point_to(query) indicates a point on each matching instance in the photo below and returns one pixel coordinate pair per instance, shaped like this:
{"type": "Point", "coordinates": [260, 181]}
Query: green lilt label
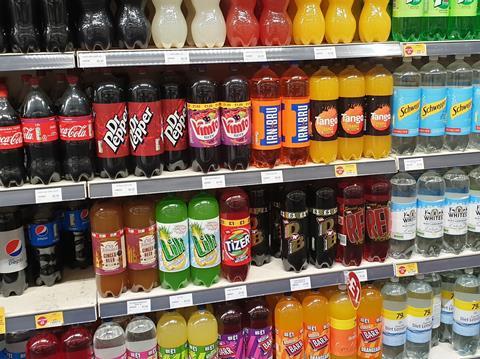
{"type": "Point", "coordinates": [463, 7]}
{"type": "Point", "coordinates": [180, 352]}
{"type": "Point", "coordinates": [436, 8]}
{"type": "Point", "coordinates": [408, 8]}
{"type": "Point", "coordinates": [203, 352]}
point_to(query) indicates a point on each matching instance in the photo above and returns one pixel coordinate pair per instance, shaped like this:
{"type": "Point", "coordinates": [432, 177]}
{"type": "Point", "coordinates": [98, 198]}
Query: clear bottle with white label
{"type": "Point", "coordinates": [435, 282]}
{"type": "Point", "coordinates": [473, 234]}
{"type": "Point", "coordinates": [141, 338]}
{"type": "Point", "coordinates": [446, 319]}
{"type": "Point", "coordinates": [403, 214]}
{"type": "Point", "coordinates": [169, 27]}
{"type": "Point", "coordinates": [208, 26]}
{"type": "Point", "coordinates": [109, 341]}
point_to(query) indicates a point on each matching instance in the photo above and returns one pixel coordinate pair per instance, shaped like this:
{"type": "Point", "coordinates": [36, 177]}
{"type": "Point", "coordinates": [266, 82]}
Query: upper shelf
{"type": "Point", "coordinates": [37, 61]}
{"type": "Point", "coordinates": [441, 48]}
{"type": "Point", "coordinates": [424, 161]}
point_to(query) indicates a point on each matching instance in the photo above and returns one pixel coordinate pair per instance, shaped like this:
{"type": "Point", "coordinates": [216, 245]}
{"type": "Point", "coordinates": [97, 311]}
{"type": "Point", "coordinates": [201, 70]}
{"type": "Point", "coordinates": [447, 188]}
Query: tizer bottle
{"type": "Point", "coordinates": [259, 226]}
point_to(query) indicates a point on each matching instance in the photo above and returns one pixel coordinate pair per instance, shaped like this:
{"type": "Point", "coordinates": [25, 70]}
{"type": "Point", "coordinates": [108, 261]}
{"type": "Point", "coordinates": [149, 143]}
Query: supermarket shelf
{"type": "Point", "coordinates": [418, 162]}
{"type": "Point", "coordinates": [445, 48]}
{"type": "Point", "coordinates": [444, 350]}
{"type": "Point", "coordinates": [189, 180]}
{"type": "Point", "coordinates": [37, 61]}
{"type": "Point", "coordinates": [74, 297]}
{"type": "Point", "coordinates": [37, 194]}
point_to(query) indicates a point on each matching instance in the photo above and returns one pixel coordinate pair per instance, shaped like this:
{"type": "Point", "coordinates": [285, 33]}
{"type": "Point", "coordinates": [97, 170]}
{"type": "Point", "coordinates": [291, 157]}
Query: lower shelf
{"type": "Point", "coordinates": [445, 351]}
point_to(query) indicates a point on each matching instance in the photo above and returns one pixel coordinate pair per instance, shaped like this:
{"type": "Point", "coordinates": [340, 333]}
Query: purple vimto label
{"type": "Point", "coordinates": [259, 343]}
{"type": "Point", "coordinates": [231, 346]}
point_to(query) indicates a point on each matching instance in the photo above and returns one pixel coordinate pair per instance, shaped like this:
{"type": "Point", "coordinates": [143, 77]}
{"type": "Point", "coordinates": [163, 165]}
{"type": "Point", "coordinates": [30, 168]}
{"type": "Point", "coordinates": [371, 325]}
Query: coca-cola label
{"type": "Point", "coordinates": [146, 128]}
{"type": "Point", "coordinates": [204, 125]}
{"type": "Point", "coordinates": [236, 123]}
{"type": "Point", "coordinates": [174, 120]}
{"type": "Point", "coordinates": [111, 129]}
{"type": "Point", "coordinates": [11, 137]}
{"type": "Point", "coordinates": [78, 128]}
{"type": "Point", "coordinates": [39, 130]}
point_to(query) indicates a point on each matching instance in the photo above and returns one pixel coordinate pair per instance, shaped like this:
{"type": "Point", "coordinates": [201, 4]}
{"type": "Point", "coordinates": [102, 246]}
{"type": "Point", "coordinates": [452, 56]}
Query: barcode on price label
{"type": "Point", "coordinates": [48, 195]}
{"type": "Point", "coordinates": [139, 306]}
{"type": "Point", "coordinates": [234, 293]}
{"type": "Point", "coordinates": [414, 164]}
{"type": "Point", "coordinates": [300, 284]}
{"type": "Point", "coordinates": [272, 177]}
{"type": "Point", "coordinates": [124, 189]}
{"type": "Point", "coordinates": [177, 57]}
{"type": "Point", "coordinates": [181, 300]}
{"type": "Point", "coordinates": [213, 182]}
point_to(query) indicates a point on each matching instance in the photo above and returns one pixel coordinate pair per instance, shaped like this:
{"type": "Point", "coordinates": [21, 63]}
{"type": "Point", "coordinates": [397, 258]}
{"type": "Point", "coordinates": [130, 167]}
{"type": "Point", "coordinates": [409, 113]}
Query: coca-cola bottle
{"type": "Point", "coordinates": [174, 120]}
{"type": "Point", "coordinates": [75, 122]}
{"type": "Point", "coordinates": [12, 169]}
{"type": "Point", "coordinates": [95, 25]}
{"type": "Point", "coordinates": [111, 128]}
{"type": "Point", "coordinates": [24, 34]}
{"type": "Point", "coordinates": [40, 136]}
{"type": "Point", "coordinates": [56, 30]}
{"type": "Point", "coordinates": [145, 123]}
{"type": "Point", "coordinates": [133, 27]}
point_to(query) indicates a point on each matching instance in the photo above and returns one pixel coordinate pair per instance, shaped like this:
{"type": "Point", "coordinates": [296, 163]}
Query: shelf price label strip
{"type": "Point", "coordinates": [49, 320]}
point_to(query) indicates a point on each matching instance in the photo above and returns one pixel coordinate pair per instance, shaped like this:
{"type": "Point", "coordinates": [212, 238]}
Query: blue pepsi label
{"type": "Point", "coordinates": [476, 110]}
{"type": "Point", "coordinates": [406, 111]}
{"type": "Point", "coordinates": [43, 235]}
{"type": "Point", "coordinates": [76, 220]}
{"type": "Point", "coordinates": [434, 105]}
{"type": "Point", "coordinates": [459, 111]}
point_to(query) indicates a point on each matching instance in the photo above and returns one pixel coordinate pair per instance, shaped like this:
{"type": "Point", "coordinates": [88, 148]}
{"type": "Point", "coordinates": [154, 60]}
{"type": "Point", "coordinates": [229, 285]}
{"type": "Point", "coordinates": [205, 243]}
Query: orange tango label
{"type": "Point", "coordinates": [370, 337]}
{"type": "Point", "coordinates": [289, 344]}
{"type": "Point", "coordinates": [343, 337]}
{"type": "Point", "coordinates": [266, 124]}
{"type": "Point", "coordinates": [317, 342]}
{"type": "Point", "coordinates": [295, 122]}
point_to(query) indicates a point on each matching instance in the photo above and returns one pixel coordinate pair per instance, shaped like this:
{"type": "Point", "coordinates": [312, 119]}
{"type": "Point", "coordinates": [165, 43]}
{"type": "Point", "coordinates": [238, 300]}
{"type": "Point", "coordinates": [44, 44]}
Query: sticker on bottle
{"type": "Point", "coordinates": [446, 316]}
{"type": "Point", "coordinates": [406, 112]}
{"type": "Point", "coordinates": [323, 120]}
{"type": "Point", "coordinates": [378, 113]}
{"type": "Point", "coordinates": [180, 352]}
{"type": "Point", "coordinates": [369, 336]}
{"type": "Point", "coordinates": [174, 121]}
{"type": "Point", "coordinates": [204, 125]}
{"type": "Point", "coordinates": [317, 341]}
{"type": "Point", "coordinates": [205, 237]}
{"type": "Point", "coordinates": [173, 246]}
{"type": "Point", "coordinates": [111, 130]}
{"type": "Point", "coordinates": [377, 218]}
{"type": "Point", "coordinates": [235, 235]}
{"type": "Point", "coordinates": [394, 327]}
{"type": "Point", "coordinates": [203, 352]}
{"type": "Point", "coordinates": [455, 214]}
{"type": "Point", "coordinates": [343, 337]}
{"type": "Point", "coordinates": [289, 344]}
{"type": "Point", "coordinates": [79, 128]}
{"type": "Point", "coordinates": [11, 137]}
{"type": "Point", "coordinates": [231, 346]}
{"type": "Point", "coordinates": [43, 235]}
{"type": "Point", "coordinates": [436, 8]}
{"type": "Point", "coordinates": [419, 324]}
{"type": "Point", "coordinates": [266, 124]}
{"type": "Point", "coordinates": [434, 105]}
{"type": "Point", "coordinates": [437, 311]}
{"type": "Point", "coordinates": [295, 122]}
{"type": "Point", "coordinates": [352, 117]}
{"type": "Point", "coordinates": [459, 111]}
{"type": "Point", "coordinates": [430, 218]}
{"type": "Point", "coordinates": [13, 256]}
{"type": "Point", "coordinates": [39, 130]}
{"type": "Point", "coordinates": [463, 8]}
{"type": "Point", "coordinates": [236, 123]}
{"type": "Point", "coordinates": [466, 316]}
{"type": "Point", "coordinates": [474, 214]}
{"type": "Point", "coordinates": [109, 255]}
{"type": "Point", "coordinates": [403, 221]}
{"type": "Point", "coordinates": [145, 124]}
{"type": "Point", "coordinates": [258, 343]}
{"type": "Point", "coordinates": [141, 248]}
{"type": "Point", "coordinates": [147, 354]}
{"type": "Point", "coordinates": [407, 8]}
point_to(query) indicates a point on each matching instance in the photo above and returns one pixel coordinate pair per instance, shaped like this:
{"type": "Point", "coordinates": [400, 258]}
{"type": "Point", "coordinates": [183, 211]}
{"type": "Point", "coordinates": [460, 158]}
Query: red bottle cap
{"type": "Point", "coordinates": [3, 90]}
{"type": "Point", "coordinates": [72, 79]}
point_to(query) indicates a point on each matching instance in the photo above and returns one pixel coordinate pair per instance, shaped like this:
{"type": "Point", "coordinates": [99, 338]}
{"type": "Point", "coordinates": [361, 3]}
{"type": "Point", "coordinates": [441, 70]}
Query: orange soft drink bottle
{"type": "Point", "coordinates": [323, 116]}
{"type": "Point", "coordinates": [352, 113]}
{"type": "Point", "coordinates": [340, 24]}
{"type": "Point", "coordinates": [266, 118]}
{"type": "Point", "coordinates": [343, 325]}
{"type": "Point", "coordinates": [369, 318]}
{"type": "Point", "coordinates": [243, 28]}
{"type": "Point", "coordinates": [275, 24]}
{"type": "Point", "coordinates": [295, 116]}
{"type": "Point", "coordinates": [379, 89]}
{"type": "Point", "coordinates": [289, 329]}
{"type": "Point", "coordinates": [374, 23]}
{"type": "Point", "coordinates": [308, 23]}
{"type": "Point", "coordinates": [316, 326]}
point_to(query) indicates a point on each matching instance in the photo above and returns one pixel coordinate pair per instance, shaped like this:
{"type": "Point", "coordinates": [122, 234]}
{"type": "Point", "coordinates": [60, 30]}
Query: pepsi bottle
{"type": "Point", "coordinates": [95, 25]}
{"type": "Point", "coordinates": [76, 241]}
{"type": "Point", "coordinates": [133, 27]}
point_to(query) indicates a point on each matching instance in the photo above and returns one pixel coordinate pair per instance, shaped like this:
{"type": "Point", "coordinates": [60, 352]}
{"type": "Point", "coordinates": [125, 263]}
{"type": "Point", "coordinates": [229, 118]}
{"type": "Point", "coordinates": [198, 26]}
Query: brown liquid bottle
{"type": "Point", "coordinates": [140, 232]}
{"type": "Point", "coordinates": [108, 242]}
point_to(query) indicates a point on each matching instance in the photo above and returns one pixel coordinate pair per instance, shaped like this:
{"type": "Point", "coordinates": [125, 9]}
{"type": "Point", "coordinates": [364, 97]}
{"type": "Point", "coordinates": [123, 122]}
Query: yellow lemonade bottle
{"type": "Point", "coordinates": [340, 24]}
{"type": "Point", "coordinates": [343, 326]}
{"type": "Point", "coordinates": [324, 116]}
{"type": "Point", "coordinates": [370, 319]}
{"type": "Point", "coordinates": [172, 336]}
{"type": "Point", "coordinates": [316, 326]}
{"type": "Point", "coordinates": [352, 113]}
{"type": "Point", "coordinates": [379, 89]}
{"type": "Point", "coordinates": [202, 334]}
{"type": "Point", "coordinates": [375, 23]}
{"type": "Point", "coordinates": [289, 329]}
{"type": "Point", "coordinates": [309, 23]}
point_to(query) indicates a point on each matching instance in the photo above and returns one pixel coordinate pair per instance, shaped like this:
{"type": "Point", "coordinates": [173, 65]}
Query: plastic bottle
{"type": "Point", "coordinates": [276, 220]}
{"type": "Point", "coordinates": [406, 107]}
{"type": "Point", "coordinates": [172, 336]}
{"type": "Point", "coordinates": [204, 231]}
{"type": "Point", "coordinates": [133, 28]}
{"type": "Point", "coordinates": [76, 343]}
{"type": "Point", "coordinates": [109, 341]}
{"type": "Point", "coordinates": [258, 330]}
{"type": "Point", "coordinates": [436, 283]}
{"type": "Point", "coordinates": [370, 323]}
{"type": "Point", "coordinates": [190, 15]}
{"type": "Point", "coordinates": [431, 200]}
{"type": "Point", "coordinates": [475, 130]}
{"type": "Point", "coordinates": [435, 20]}
{"type": "Point", "coordinates": [141, 338]}
{"type": "Point", "coordinates": [16, 343]}
{"type": "Point", "coordinates": [275, 24]}
{"type": "Point", "coordinates": [24, 30]}
{"type": "Point", "coordinates": [459, 105]}
{"type": "Point", "coordinates": [202, 334]}
{"type": "Point", "coordinates": [266, 118]}
{"type": "Point", "coordinates": [289, 328]}
{"type": "Point", "coordinates": [235, 234]}
{"type": "Point", "coordinates": [204, 123]}
{"type": "Point", "coordinates": [295, 116]}
{"type": "Point", "coordinates": [374, 24]}
{"type": "Point", "coordinates": [343, 325]}
{"type": "Point", "coordinates": [316, 326]}
{"type": "Point", "coordinates": [473, 235]}
{"type": "Point", "coordinates": [108, 240]}
{"type": "Point", "coordinates": [230, 331]}
{"type": "Point", "coordinates": [56, 30]}
{"type": "Point", "coordinates": [259, 226]}
{"type": "Point", "coordinates": [243, 28]}
{"type": "Point", "coordinates": [323, 227]}
{"type": "Point", "coordinates": [208, 26]}
{"type": "Point", "coordinates": [466, 314]}
{"type": "Point", "coordinates": [76, 239]}
{"type": "Point", "coordinates": [308, 23]}
{"type": "Point", "coordinates": [95, 29]}
{"type": "Point", "coordinates": [43, 346]}
{"type": "Point", "coordinates": [406, 20]}
{"type": "Point", "coordinates": [351, 107]}
{"type": "Point", "coordinates": [457, 188]}
{"type": "Point", "coordinates": [419, 319]}
{"type": "Point", "coordinates": [446, 317]}
{"type": "Point", "coordinates": [169, 27]}
{"type": "Point", "coordinates": [340, 24]}
{"type": "Point", "coordinates": [324, 116]}
{"type": "Point", "coordinates": [294, 231]}
{"type": "Point", "coordinates": [462, 19]}
{"type": "Point", "coordinates": [351, 219]}
{"type": "Point", "coordinates": [394, 319]}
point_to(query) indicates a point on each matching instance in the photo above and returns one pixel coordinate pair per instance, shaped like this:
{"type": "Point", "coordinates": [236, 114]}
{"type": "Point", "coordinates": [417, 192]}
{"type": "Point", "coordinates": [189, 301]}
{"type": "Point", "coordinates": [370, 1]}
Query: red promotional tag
{"type": "Point", "coordinates": [76, 128]}
{"type": "Point", "coordinates": [11, 137]}
{"type": "Point", "coordinates": [38, 130]}
{"type": "Point", "coordinates": [145, 128]}
{"type": "Point", "coordinates": [354, 289]}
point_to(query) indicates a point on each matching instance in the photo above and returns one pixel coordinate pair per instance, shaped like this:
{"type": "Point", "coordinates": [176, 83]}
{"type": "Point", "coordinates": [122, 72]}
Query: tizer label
{"type": "Point", "coordinates": [323, 120]}
{"type": "Point", "coordinates": [76, 128]}
{"type": "Point", "coordinates": [146, 138]}
{"type": "Point", "coordinates": [289, 344]}
{"type": "Point", "coordinates": [231, 346]}
{"type": "Point", "coordinates": [141, 250]}
{"type": "Point", "coordinates": [39, 130]}
{"type": "Point", "coordinates": [173, 246]}
{"type": "Point", "coordinates": [378, 115]}
{"type": "Point", "coordinates": [204, 125]}
{"type": "Point", "coordinates": [236, 123]}
{"type": "Point", "coordinates": [352, 117]}
{"type": "Point", "coordinates": [111, 130]}
{"type": "Point", "coordinates": [317, 341]}
{"type": "Point", "coordinates": [13, 254]}
{"type": "Point", "coordinates": [174, 120]}
{"type": "Point", "coordinates": [377, 222]}
{"type": "Point", "coordinates": [205, 236]}
{"type": "Point", "coordinates": [434, 105]}
{"type": "Point", "coordinates": [369, 337]}
{"type": "Point", "coordinates": [236, 247]}
{"type": "Point", "coordinates": [109, 255]}
{"type": "Point", "coordinates": [295, 122]}
{"type": "Point", "coordinates": [459, 110]}
{"type": "Point", "coordinates": [266, 124]}
{"type": "Point", "coordinates": [406, 111]}
{"type": "Point", "coordinates": [258, 343]}
{"type": "Point", "coordinates": [11, 137]}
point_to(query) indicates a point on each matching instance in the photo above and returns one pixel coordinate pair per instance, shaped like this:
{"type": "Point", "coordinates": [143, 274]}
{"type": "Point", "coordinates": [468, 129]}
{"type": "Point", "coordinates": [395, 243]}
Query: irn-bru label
{"type": "Point", "coordinates": [11, 137]}
{"type": "Point", "coordinates": [203, 352]}
{"type": "Point", "coordinates": [174, 120]}
{"type": "Point", "coordinates": [173, 246]}
{"type": "Point", "coordinates": [205, 237]}
{"type": "Point", "coordinates": [370, 337]}
{"type": "Point", "coordinates": [289, 344]}
{"type": "Point", "coordinates": [147, 354]}
{"type": "Point", "coordinates": [434, 105]}
{"type": "Point", "coordinates": [351, 221]}
{"type": "Point", "coordinates": [419, 324]}
{"type": "Point", "coordinates": [406, 111]}
{"type": "Point", "coordinates": [317, 341]}
{"type": "Point", "coordinates": [231, 346]}
{"type": "Point", "coordinates": [258, 343]}
{"type": "Point", "coordinates": [39, 130]}
{"type": "Point", "coordinates": [141, 250]}
{"type": "Point", "coordinates": [378, 115]}
{"type": "Point", "coordinates": [343, 337]}
{"type": "Point", "coordinates": [377, 222]}
{"type": "Point", "coordinates": [236, 248]}
{"type": "Point", "coordinates": [204, 124]}
{"type": "Point", "coordinates": [323, 120]}
{"type": "Point", "coordinates": [394, 327]}
{"type": "Point", "coordinates": [466, 316]}
{"type": "Point", "coordinates": [236, 123]}
{"type": "Point", "coordinates": [109, 255]}
{"type": "Point", "coordinates": [146, 137]}
{"type": "Point", "coordinates": [352, 116]}
{"type": "Point", "coordinates": [180, 352]}
{"type": "Point", "coordinates": [459, 110]}
{"type": "Point", "coordinates": [266, 124]}
{"type": "Point", "coordinates": [111, 129]}
{"type": "Point", "coordinates": [295, 118]}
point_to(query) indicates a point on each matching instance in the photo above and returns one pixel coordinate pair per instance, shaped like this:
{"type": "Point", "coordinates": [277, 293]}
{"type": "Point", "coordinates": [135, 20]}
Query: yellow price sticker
{"type": "Point", "coordinates": [467, 306]}
{"type": "Point", "coordinates": [419, 312]}
{"type": "Point", "coordinates": [348, 170]}
{"type": "Point", "coordinates": [49, 320]}
{"type": "Point", "coordinates": [406, 270]}
{"type": "Point", "coordinates": [410, 50]}
{"type": "Point", "coordinates": [393, 314]}
{"type": "Point", "coordinates": [3, 324]}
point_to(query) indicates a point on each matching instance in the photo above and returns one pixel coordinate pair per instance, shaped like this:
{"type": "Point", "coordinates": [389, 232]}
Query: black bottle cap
{"type": "Point", "coordinates": [295, 201]}
{"type": "Point", "coordinates": [325, 198]}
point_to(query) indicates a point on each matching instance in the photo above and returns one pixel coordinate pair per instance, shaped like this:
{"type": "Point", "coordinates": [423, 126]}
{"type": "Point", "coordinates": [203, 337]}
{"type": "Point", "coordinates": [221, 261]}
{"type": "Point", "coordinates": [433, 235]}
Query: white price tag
{"type": "Point", "coordinates": [254, 55]}
{"type": "Point", "coordinates": [234, 293]}
{"type": "Point", "coordinates": [139, 306]}
{"type": "Point", "coordinates": [177, 57]}
{"type": "Point", "coordinates": [48, 195]}
{"type": "Point", "coordinates": [92, 60]}
{"type": "Point", "coordinates": [212, 182]}
{"type": "Point", "coordinates": [124, 189]}
{"type": "Point", "coordinates": [181, 301]}
{"type": "Point", "coordinates": [325, 52]}
{"type": "Point", "coordinates": [272, 177]}
{"type": "Point", "coordinates": [414, 164]}
{"type": "Point", "coordinates": [362, 275]}
{"type": "Point", "coordinates": [300, 284]}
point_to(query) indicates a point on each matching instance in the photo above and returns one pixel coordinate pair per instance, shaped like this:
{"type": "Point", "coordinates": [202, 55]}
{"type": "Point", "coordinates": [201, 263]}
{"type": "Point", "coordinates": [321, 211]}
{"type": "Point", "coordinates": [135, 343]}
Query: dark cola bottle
{"type": "Point", "coordinates": [4, 45]}
{"type": "Point", "coordinates": [12, 169]}
{"type": "Point", "coordinates": [276, 195]}
{"type": "Point", "coordinates": [111, 127]}
{"type": "Point", "coordinates": [174, 120]}
{"type": "Point", "coordinates": [24, 29]}
{"type": "Point", "coordinates": [145, 123]}
{"type": "Point", "coordinates": [76, 241]}
{"type": "Point", "coordinates": [204, 123]}
{"type": "Point", "coordinates": [260, 227]}
{"type": "Point", "coordinates": [40, 136]}
{"type": "Point", "coordinates": [133, 27]}
{"type": "Point", "coordinates": [95, 25]}
{"type": "Point", "coordinates": [77, 143]}
{"type": "Point", "coordinates": [56, 30]}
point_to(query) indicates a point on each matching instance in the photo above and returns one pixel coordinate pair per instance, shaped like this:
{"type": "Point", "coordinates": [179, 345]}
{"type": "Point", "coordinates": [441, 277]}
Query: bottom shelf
{"type": "Point", "coordinates": [445, 351]}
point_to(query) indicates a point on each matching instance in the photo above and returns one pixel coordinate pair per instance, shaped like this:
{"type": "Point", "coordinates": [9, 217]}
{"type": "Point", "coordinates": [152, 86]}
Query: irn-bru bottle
{"type": "Point", "coordinates": [243, 28]}
{"type": "Point", "coordinates": [343, 325]}
{"type": "Point", "coordinates": [202, 335]}
{"type": "Point", "coordinates": [378, 113]}
{"type": "Point", "coordinates": [316, 326]}
{"type": "Point", "coordinates": [172, 336]}
{"type": "Point", "coordinates": [369, 319]}
{"type": "Point", "coordinates": [309, 23]}
{"type": "Point", "coordinates": [266, 118]}
{"type": "Point", "coordinates": [275, 24]}
{"type": "Point", "coordinates": [289, 329]}
{"type": "Point", "coordinates": [340, 24]}
{"type": "Point", "coordinates": [374, 23]}
{"type": "Point", "coordinates": [295, 116]}
{"type": "Point", "coordinates": [352, 113]}
{"type": "Point", "coordinates": [257, 329]}
{"type": "Point", "coordinates": [324, 116]}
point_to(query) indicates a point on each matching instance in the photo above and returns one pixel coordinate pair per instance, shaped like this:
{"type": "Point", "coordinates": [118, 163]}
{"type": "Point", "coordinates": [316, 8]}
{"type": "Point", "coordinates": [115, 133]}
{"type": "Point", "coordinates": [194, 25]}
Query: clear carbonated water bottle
{"type": "Point", "coordinates": [141, 338]}
{"type": "Point", "coordinates": [403, 213]}
{"type": "Point", "coordinates": [473, 234]}
{"type": "Point", "coordinates": [109, 341]}
{"type": "Point", "coordinates": [446, 319]}
{"type": "Point", "coordinates": [475, 130]}
{"type": "Point", "coordinates": [435, 282]}
{"type": "Point", "coordinates": [431, 198]}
